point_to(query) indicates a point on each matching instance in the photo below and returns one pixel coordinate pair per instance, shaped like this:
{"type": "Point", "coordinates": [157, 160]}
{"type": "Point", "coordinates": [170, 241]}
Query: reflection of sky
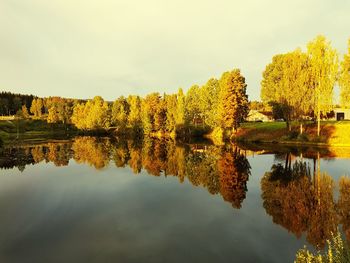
{"type": "Point", "coordinates": [78, 214]}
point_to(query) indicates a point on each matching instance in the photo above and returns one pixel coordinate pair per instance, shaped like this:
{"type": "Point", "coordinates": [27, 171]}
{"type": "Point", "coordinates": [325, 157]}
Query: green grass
{"type": "Point", "coordinates": [267, 126]}
{"type": "Point", "coordinates": [335, 133]}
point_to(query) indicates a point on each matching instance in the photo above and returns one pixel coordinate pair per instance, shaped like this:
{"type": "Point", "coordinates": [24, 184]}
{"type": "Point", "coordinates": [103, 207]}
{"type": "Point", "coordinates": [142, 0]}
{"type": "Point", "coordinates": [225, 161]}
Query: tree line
{"type": "Point", "coordinates": [299, 84]}
{"type": "Point", "coordinates": [10, 103]}
{"type": "Point", "coordinates": [218, 103]}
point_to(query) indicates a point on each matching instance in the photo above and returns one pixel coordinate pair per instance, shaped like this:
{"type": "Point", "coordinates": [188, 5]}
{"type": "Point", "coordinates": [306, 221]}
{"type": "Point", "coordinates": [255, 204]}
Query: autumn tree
{"type": "Point", "coordinates": [149, 107]}
{"type": "Point", "coordinates": [344, 79]}
{"type": "Point", "coordinates": [323, 68]}
{"type": "Point", "coordinates": [180, 109]}
{"type": "Point", "coordinates": [192, 104]}
{"type": "Point", "coordinates": [233, 99]}
{"type": "Point", "coordinates": [209, 99]}
{"type": "Point", "coordinates": [59, 111]}
{"type": "Point", "coordinates": [134, 118]}
{"type": "Point", "coordinates": [36, 107]}
{"type": "Point", "coordinates": [171, 112]}
{"type": "Point", "coordinates": [120, 112]}
{"type": "Point", "coordinates": [160, 117]}
{"type": "Point", "coordinates": [25, 112]}
{"type": "Point", "coordinates": [94, 114]}
{"type": "Point", "coordinates": [285, 86]}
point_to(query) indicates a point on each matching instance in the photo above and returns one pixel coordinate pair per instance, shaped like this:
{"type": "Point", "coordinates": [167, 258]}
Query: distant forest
{"type": "Point", "coordinates": [10, 103]}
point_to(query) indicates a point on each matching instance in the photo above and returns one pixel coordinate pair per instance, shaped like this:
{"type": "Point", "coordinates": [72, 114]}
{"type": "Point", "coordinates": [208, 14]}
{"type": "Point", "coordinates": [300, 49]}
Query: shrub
{"type": "Point", "coordinates": [292, 135]}
{"type": "Point", "coordinates": [337, 252]}
{"type": "Point", "coordinates": [303, 137]}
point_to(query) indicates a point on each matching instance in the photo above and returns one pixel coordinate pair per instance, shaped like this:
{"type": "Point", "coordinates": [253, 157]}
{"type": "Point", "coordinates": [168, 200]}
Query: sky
{"type": "Point", "coordinates": [79, 49]}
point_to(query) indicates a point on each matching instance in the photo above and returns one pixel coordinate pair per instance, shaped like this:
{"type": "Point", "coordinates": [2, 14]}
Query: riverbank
{"type": "Point", "coordinates": [333, 133]}
{"type": "Point", "coordinates": [33, 130]}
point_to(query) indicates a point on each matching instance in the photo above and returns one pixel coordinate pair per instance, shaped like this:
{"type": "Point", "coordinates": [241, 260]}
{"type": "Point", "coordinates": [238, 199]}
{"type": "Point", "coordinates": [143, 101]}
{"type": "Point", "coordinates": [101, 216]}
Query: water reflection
{"type": "Point", "coordinates": [304, 202]}
{"type": "Point", "coordinates": [223, 171]}
{"type": "Point", "coordinates": [295, 193]}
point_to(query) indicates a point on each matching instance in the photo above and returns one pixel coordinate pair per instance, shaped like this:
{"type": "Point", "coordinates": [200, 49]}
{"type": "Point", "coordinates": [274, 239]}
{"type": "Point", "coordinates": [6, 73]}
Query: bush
{"type": "Point", "coordinates": [292, 135]}
{"type": "Point", "coordinates": [303, 137]}
{"type": "Point", "coordinates": [337, 251]}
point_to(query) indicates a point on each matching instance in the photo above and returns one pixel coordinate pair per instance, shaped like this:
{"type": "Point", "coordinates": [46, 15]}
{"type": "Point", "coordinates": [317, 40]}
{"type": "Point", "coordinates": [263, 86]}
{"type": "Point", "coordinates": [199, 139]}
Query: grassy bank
{"type": "Point", "coordinates": [32, 130]}
{"type": "Point", "coordinates": [333, 133]}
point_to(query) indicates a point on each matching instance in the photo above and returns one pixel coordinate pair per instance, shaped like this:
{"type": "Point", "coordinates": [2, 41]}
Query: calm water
{"type": "Point", "coordinates": [97, 200]}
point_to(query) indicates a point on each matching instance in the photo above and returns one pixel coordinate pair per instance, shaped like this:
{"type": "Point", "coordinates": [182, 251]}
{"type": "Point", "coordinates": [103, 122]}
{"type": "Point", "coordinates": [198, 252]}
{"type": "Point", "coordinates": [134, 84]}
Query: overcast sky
{"type": "Point", "coordinates": [110, 48]}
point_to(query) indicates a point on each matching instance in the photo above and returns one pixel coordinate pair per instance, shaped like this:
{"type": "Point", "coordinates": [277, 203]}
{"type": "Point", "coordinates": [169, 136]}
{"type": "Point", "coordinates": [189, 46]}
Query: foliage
{"type": "Point", "coordinates": [337, 251]}
{"type": "Point", "coordinates": [59, 110]}
{"type": "Point", "coordinates": [10, 103]}
{"type": "Point", "coordinates": [344, 79]}
{"type": "Point", "coordinates": [233, 100]}
{"type": "Point", "coordinates": [323, 69]}
{"type": "Point", "coordinates": [120, 112]}
{"type": "Point", "coordinates": [94, 114]}
{"type": "Point", "coordinates": [285, 86]}
{"type": "Point", "coordinates": [37, 107]}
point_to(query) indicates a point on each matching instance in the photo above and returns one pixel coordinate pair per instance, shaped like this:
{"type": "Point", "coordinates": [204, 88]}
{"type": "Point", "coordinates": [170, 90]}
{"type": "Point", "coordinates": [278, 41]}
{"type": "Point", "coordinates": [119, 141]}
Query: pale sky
{"type": "Point", "coordinates": [80, 49]}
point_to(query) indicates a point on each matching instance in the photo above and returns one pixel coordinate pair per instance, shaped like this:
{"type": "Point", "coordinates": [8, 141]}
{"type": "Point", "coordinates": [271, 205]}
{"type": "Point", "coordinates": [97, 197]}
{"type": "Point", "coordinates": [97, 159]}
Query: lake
{"type": "Point", "coordinates": [101, 200]}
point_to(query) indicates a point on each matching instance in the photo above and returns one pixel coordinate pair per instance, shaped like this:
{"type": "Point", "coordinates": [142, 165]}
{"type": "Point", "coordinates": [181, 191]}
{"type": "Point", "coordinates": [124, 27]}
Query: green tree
{"type": "Point", "coordinates": [233, 99]}
{"type": "Point", "coordinates": [209, 99]}
{"type": "Point", "coordinates": [285, 85]}
{"type": "Point", "coordinates": [344, 79]}
{"type": "Point", "coordinates": [323, 68]}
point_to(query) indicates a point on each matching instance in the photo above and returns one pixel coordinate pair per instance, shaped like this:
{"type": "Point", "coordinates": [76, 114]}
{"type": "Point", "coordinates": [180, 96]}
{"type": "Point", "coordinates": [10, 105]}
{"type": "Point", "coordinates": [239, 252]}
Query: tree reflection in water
{"type": "Point", "coordinates": [302, 203]}
{"type": "Point", "coordinates": [222, 171]}
{"type": "Point", "coordinates": [300, 200]}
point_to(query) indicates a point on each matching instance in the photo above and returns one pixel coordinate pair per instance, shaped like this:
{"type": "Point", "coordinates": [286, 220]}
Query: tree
{"type": "Point", "coordinates": [285, 86]}
{"type": "Point", "coordinates": [171, 112]}
{"type": "Point", "coordinates": [180, 116]}
{"type": "Point", "coordinates": [209, 98]}
{"type": "Point", "coordinates": [323, 68]}
{"type": "Point", "coordinates": [160, 117]}
{"type": "Point", "coordinates": [17, 103]}
{"type": "Point", "coordinates": [344, 79]}
{"type": "Point", "coordinates": [192, 104]}
{"type": "Point", "coordinates": [149, 107]}
{"type": "Point", "coordinates": [94, 114]}
{"type": "Point", "coordinates": [134, 118]}
{"type": "Point", "coordinates": [120, 112]}
{"type": "Point", "coordinates": [25, 112]}
{"type": "Point", "coordinates": [36, 107]}
{"type": "Point", "coordinates": [59, 110]}
{"type": "Point", "coordinates": [233, 99]}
